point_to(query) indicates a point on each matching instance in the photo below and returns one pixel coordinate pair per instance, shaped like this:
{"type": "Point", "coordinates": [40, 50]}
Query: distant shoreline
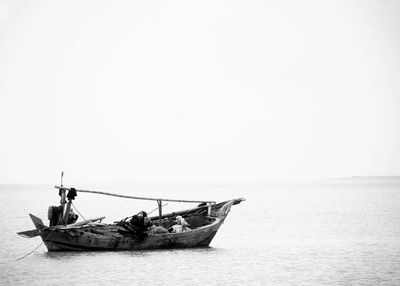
{"type": "Point", "coordinates": [214, 184]}
{"type": "Point", "coordinates": [366, 178]}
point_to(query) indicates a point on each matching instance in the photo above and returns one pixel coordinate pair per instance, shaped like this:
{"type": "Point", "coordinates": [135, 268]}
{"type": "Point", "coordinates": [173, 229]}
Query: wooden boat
{"type": "Point", "coordinates": [204, 221]}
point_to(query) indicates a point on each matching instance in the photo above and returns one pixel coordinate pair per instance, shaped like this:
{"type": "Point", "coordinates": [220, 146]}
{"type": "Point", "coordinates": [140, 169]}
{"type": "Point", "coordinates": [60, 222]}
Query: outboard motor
{"type": "Point", "coordinates": [54, 214]}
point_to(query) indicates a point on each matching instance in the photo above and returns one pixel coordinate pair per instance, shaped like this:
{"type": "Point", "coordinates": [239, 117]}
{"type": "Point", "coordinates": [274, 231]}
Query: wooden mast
{"type": "Point", "coordinates": [63, 202]}
{"type": "Point", "coordinates": [159, 212]}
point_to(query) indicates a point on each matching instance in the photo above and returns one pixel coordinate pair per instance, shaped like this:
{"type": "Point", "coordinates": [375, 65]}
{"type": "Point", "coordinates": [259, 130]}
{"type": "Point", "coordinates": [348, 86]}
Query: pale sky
{"type": "Point", "coordinates": [198, 91]}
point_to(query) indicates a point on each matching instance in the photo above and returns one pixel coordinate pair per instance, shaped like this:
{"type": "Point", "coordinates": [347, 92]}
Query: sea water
{"type": "Point", "coordinates": [327, 232]}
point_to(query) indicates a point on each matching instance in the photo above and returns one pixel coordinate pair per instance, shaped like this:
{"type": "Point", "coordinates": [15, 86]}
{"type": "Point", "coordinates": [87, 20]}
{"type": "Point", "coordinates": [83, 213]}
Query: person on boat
{"type": "Point", "coordinates": [138, 225]}
{"type": "Point", "coordinates": [180, 225]}
{"type": "Point", "coordinates": [144, 220]}
{"type": "Point", "coordinates": [176, 228]}
{"type": "Point", "coordinates": [72, 217]}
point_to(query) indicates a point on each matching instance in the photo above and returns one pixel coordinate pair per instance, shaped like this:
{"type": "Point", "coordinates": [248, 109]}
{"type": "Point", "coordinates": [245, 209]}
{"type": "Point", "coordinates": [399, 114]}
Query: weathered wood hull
{"type": "Point", "coordinates": [108, 238]}
{"type": "Point", "coordinates": [86, 239]}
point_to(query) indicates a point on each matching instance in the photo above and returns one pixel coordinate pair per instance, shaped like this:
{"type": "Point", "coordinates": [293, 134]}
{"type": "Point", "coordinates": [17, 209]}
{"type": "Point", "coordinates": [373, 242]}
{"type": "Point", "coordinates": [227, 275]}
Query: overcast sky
{"type": "Point", "coordinates": [198, 91]}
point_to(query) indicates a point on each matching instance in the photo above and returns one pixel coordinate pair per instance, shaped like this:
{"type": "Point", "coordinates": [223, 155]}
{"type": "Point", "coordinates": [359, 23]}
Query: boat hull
{"type": "Point", "coordinates": [84, 240]}
{"type": "Point", "coordinates": [88, 236]}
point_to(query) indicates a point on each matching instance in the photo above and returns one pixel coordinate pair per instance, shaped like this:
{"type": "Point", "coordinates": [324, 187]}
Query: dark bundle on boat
{"type": "Point", "coordinates": [136, 227]}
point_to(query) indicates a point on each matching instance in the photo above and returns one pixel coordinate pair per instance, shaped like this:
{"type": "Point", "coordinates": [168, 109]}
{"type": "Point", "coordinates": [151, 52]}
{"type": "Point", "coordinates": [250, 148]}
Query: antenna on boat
{"type": "Point", "coordinates": [62, 175]}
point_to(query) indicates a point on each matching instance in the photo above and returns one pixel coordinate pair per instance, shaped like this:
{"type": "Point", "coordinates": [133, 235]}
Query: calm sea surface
{"type": "Point", "coordinates": [337, 232]}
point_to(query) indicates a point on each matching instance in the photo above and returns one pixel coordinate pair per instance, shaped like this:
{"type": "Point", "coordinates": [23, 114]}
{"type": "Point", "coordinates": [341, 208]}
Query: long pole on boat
{"type": "Point", "coordinates": [133, 197]}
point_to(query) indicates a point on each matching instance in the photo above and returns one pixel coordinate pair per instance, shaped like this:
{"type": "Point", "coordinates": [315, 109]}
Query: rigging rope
{"type": "Point", "coordinates": [37, 247]}
{"type": "Point", "coordinates": [78, 211]}
{"type": "Point", "coordinates": [125, 219]}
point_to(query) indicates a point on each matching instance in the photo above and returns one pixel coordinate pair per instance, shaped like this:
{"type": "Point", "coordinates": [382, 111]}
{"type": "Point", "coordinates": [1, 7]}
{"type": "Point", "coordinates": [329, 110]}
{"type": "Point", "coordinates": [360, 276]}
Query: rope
{"type": "Point", "coordinates": [37, 247]}
{"type": "Point", "coordinates": [157, 209]}
{"type": "Point", "coordinates": [123, 220]}
{"type": "Point", "coordinates": [29, 253]}
{"type": "Point", "coordinates": [78, 211]}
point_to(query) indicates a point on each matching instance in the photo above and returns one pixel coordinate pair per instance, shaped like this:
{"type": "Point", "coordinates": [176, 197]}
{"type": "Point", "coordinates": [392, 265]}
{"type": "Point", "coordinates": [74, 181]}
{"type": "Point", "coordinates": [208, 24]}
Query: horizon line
{"type": "Point", "coordinates": [156, 182]}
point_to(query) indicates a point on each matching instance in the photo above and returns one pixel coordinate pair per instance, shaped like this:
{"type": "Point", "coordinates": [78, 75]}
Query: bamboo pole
{"type": "Point", "coordinates": [132, 197]}
{"type": "Point", "coordinates": [159, 212]}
